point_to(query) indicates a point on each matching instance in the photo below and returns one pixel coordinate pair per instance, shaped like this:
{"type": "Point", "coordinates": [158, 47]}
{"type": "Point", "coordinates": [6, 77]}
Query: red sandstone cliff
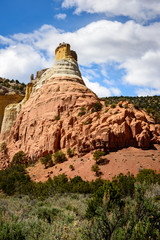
{"type": "Point", "coordinates": [36, 130]}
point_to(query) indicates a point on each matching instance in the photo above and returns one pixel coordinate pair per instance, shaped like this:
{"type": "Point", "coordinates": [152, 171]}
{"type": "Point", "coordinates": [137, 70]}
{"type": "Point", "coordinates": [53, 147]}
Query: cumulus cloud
{"type": "Point", "coordinates": [60, 16]}
{"type": "Point", "coordinates": [133, 47]}
{"type": "Point", "coordinates": [141, 10]}
{"type": "Point", "coordinates": [115, 91]}
{"type": "Point", "coordinates": [97, 88]}
{"type": "Point", "coordinates": [109, 82]}
{"type": "Point", "coordinates": [90, 73]}
{"type": "Point", "coordinates": [144, 71]}
{"type": "Point", "coordinates": [100, 90]}
{"type": "Point", "coordinates": [147, 92]}
{"type": "Point", "coordinates": [5, 41]}
{"type": "Point", "coordinates": [18, 62]}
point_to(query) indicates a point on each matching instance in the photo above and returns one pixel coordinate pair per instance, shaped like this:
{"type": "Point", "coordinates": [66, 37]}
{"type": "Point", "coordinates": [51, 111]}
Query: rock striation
{"type": "Point", "coordinates": [11, 110]}
{"type": "Point", "coordinates": [13, 107]}
{"type": "Point", "coordinates": [7, 97]}
{"type": "Point", "coordinates": [65, 66]}
{"type": "Point", "coordinates": [51, 119]}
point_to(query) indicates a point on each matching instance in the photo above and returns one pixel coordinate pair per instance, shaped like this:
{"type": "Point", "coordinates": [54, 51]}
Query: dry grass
{"type": "Point", "coordinates": [60, 217]}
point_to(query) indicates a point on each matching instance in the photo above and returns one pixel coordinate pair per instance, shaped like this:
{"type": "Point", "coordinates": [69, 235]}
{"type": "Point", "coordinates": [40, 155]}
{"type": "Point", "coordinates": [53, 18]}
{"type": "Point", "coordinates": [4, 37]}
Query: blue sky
{"type": "Point", "coordinates": [117, 41]}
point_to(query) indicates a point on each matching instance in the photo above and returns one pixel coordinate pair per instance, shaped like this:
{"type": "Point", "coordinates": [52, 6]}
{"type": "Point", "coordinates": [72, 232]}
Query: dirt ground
{"type": "Point", "coordinates": [129, 159]}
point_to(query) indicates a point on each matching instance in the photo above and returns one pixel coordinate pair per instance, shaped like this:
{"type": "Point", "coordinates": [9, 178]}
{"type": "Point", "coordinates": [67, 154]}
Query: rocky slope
{"type": "Point", "coordinates": [37, 130]}
{"type": "Point", "coordinates": [59, 114]}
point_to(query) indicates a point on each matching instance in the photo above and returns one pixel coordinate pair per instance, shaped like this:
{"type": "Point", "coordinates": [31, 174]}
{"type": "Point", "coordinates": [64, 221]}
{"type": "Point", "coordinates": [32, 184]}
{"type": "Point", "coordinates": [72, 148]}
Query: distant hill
{"type": "Point", "coordinates": [8, 86]}
{"type": "Point", "coordinates": [150, 104]}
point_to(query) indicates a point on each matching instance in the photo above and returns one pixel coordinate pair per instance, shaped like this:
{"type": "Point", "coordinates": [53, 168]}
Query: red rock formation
{"type": "Point", "coordinates": [37, 132]}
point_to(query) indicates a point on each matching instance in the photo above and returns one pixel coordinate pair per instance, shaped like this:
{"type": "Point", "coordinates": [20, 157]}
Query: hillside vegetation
{"type": "Point", "coordinates": [150, 104]}
{"type": "Point", "coordinates": [127, 207]}
{"type": "Point", "coordinates": [13, 85]}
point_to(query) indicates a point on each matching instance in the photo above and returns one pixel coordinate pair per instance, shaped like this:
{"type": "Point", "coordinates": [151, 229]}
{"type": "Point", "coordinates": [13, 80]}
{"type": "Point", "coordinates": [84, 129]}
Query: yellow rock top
{"type": "Point", "coordinates": [63, 52]}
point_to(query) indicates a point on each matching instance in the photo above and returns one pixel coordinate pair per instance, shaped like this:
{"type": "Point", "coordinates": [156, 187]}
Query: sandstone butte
{"type": "Point", "coordinates": [47, 120]}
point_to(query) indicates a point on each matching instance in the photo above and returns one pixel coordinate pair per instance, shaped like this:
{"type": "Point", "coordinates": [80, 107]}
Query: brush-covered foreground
{"type": "Point", "coordinates": [124, 208]}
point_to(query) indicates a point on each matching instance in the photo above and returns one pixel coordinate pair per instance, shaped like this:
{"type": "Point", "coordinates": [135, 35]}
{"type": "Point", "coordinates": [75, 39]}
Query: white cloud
{"type": "Point", "coordinates": [131, 46]}
{"type": "Point", "coordinates": [90, 73]}
{"type": "Point", "coordinates": [115, 91]}
{"type": "Point", "coordinates": [100, 90]}
{"type": "Point", "coordinates": [97, 88]}
{"type": "Point", "coordinates": [109, 82]}
{"type": "Point", "coordinates": [144, 71]}
{"type": "Point", "coordinates": [141, 10]}
{"type": "Point", "coordinates": [5, 41]}
{"type": "Point", "coordinates": [18, 62]}
{"type": "Point", "coordinates": [61, 16]}
{"type": "Point", "coordinates": [147, 92]}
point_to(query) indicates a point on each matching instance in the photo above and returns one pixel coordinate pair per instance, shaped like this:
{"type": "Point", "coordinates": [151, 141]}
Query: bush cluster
{"type": "Point", "coordinates": [96, 107]}
{"type": "Point", "coordinates": [47, 160]}
{"type": "Point", "coordinates": [59, 157]}
{"type": "Point", "coordinates": [136, 217]}
{"type": "Point", "coordinates": [70, 152]}
{"type": "Point", "coordinates": [95, 168]}
{"type": "Point", "coordinates": [3, 147]}
{"type": "Point", "coordinates": [20, 159]}
{"type": "Point", "coordinates": [118, 209]}
{"type": "Point", "coordinates": [97, 155]}
{"type": "Point", "coordinates": [14, 84]}
{"type": "Point", "coordinates": [82, 111]}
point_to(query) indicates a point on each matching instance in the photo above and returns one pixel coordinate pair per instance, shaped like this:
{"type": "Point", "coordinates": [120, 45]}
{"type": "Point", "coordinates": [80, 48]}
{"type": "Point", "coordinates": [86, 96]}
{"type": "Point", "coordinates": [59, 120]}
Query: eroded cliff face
{"type": "Point", "coordinates": [6, 100]}
{"type": "Point", "coordinates": [37, 132]}
{"type": "Point", "coordinates": [11, 110]}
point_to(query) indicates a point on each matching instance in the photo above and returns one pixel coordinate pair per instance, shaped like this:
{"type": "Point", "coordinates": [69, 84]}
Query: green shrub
{"type": "Point", "coordinates": [137, 106]}
{"type": "Point", "coordinates": [82, 111]}
{"type": "Point", "coordinates": [126, 106]}
{"type": "Point", "coordinates": [108, 195]}
{"type": "Point", "coordinates": [19, 158]}
{"type": "Point", "coordinates": [113, 105]}
{"type": "Point", "coordinates": [76, 180]}
{"type": "Point", "coordinates": [96, 107]}
{"type": "Point", "coordinates": [125, 183]}
{"type": "Point", "coordinates": [116, 112]}
{"type": "Point", "coordinates": [59, 157]}
{"type": "Point", "coordinates": [47, 213]}
{"type": "Point", "coordinates": [95, 168]}
{"type": "Point", "coordinates": [3, 147]}
{"type": "Point", "coordinates": [47, 160]}
{"type": "Point", "coordinates": [106, 104]}
{"type": "Point", "coordinates": [70, 152]}
{"type": "Point", "coordinates": [57, 117]}
{"type": "Point", "coordinates": [14, 180]}
{"type": "Point", "coordinates": [71, 167]}
{"type": "Point", "coordinates": [97, 155]}
{"type": "Point", "coordinates": [11, 230]}
{"type": "Point", "coordinates": [137, 218]}
{"type": "Point", "coordinates": [87, 122]}
{"type": "Point", "coordinates": [148, 176]}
